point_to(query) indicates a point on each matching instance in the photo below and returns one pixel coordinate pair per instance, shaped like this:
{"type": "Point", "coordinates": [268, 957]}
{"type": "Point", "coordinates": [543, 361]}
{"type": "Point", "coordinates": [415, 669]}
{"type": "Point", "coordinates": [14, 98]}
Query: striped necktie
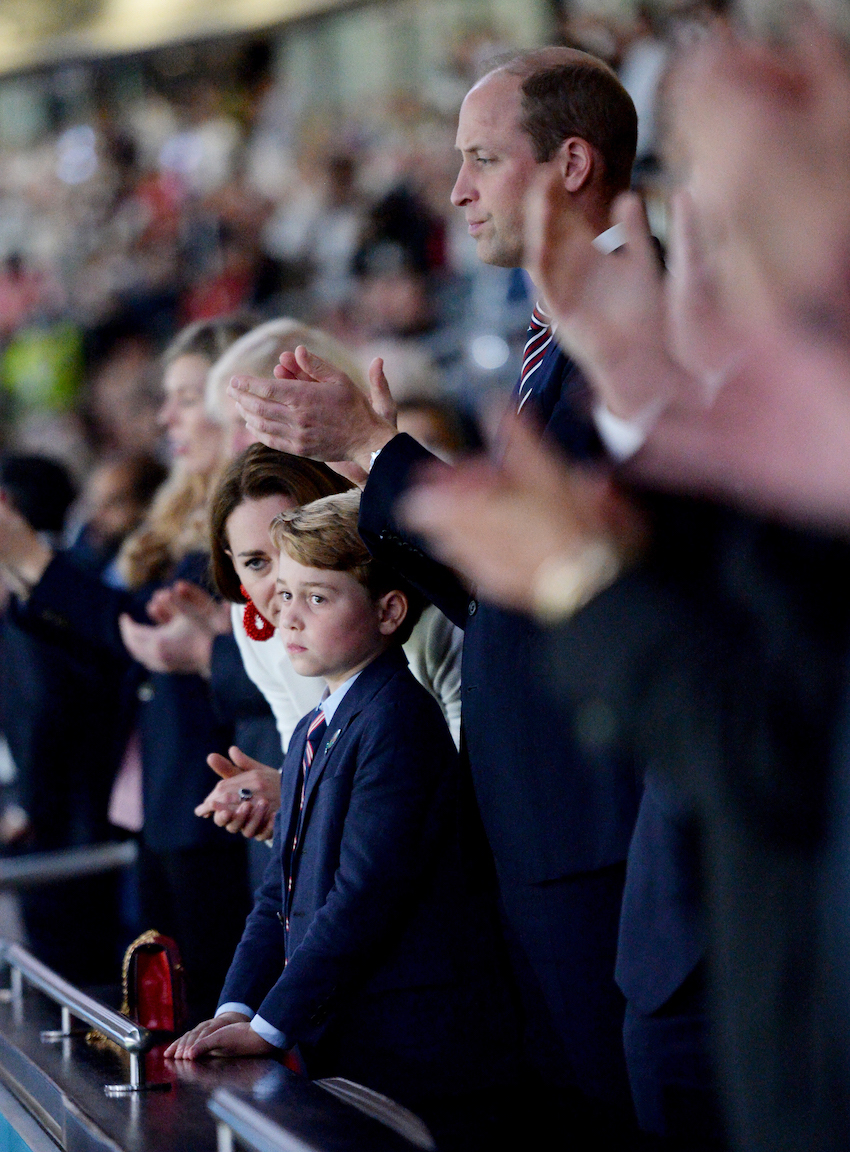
{"type": "Point", "coordinates": [315, 732]}
{"type": "Point", "coordinates": [540, 333]}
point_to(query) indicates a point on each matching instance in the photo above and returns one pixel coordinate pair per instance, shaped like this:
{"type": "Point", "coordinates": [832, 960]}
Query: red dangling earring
{"type": "Point", "coordinates": [257, 627]}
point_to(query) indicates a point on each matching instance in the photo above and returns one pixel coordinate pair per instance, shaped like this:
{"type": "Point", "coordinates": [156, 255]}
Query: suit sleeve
{"type": "Point", "coordinates": [393, 822]}
{"type": "Point", "coordinates": [234, 693]}
{"type": "Point", "coordinates": [392, 474]}
{"type": "Point", "coordinates": [259, 959]}
{"type": "Point", "coordinates": [69, 604]}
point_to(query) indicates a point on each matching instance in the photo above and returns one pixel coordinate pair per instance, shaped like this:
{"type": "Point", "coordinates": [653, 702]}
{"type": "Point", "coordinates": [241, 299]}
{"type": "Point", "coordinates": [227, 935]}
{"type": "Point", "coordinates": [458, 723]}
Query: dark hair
{"type": "Point", "coordinates": [324, 534]}
{"type": "Point", "coordinates": [255, 473]}
{"type": "Point", "coordinates": [565, 92]}
{"type": "Point", "coordinates": [41, 489]}
{"type": "Point", "coordinates": [145, 475]}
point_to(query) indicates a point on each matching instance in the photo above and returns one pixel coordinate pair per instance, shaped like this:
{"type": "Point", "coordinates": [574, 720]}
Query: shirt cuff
{"type": "Point", "coordinates": [268, 1032]}
{"type": "Point", "coordinates": [624, 438]}
{"type": "Point", "coordinates": [610, 240]}
{"type": "Point", "coordinates": [232, 1006]}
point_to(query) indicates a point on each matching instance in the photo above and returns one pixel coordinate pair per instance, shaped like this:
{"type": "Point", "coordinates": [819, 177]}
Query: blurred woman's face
{"type": "Point", "coordinates": [252, 552]}
{"type": "Point", "coordinates": [194, 439]}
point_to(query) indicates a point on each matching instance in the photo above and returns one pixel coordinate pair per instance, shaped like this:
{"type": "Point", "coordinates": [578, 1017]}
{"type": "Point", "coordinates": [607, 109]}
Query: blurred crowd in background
{"type": "Point", "coordinates": [143, 195]}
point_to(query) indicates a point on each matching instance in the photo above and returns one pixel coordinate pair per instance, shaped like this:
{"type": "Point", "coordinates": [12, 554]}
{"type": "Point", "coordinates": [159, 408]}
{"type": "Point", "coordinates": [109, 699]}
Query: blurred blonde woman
{"type": "Point", "coordinates": [193, 876]}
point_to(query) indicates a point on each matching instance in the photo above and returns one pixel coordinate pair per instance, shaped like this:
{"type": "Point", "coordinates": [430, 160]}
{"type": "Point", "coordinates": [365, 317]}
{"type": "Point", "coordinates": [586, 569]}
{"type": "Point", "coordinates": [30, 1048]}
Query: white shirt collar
{"type": "Point", "coordinates": [333, 700]}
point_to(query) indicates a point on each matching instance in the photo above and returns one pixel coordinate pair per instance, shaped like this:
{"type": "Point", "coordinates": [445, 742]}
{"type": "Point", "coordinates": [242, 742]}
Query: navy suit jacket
{"type": "Point", "coordinates": [237, 701]}
{"type": "Point", "coordinates": [177, 725]}
{"type": "Point", "coordinates": [553, 802]}
{"type": "Point", "coordinates": [389, 970]}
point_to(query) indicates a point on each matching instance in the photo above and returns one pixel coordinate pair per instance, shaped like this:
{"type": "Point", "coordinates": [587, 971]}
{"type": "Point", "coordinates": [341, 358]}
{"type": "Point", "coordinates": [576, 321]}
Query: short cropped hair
{"type": "Point", "coordinates": [324, 535]}
{"type": "Point", "coordinates": [565, 92]}
{"type": "Point", "coordinates": [252, 475]}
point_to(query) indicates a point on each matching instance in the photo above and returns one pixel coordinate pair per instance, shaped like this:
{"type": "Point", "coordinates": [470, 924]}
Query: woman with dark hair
{"type": "Point", "coordinates": [189, 635]}
{"type": "Point", "coordinates": [254, 488]}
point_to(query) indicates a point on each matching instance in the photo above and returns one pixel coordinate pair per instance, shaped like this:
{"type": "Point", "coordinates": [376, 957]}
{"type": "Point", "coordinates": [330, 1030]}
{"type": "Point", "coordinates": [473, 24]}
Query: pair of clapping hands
{"type": "Point", "coordinates": [186, 620]}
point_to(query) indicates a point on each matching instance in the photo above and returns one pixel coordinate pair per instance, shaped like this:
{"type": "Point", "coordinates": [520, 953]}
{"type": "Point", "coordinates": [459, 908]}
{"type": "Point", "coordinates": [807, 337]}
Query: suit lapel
{"type": "Point", "coordinates": [370, 681]}
{"type": "Point", "coordinates": [289, 787]}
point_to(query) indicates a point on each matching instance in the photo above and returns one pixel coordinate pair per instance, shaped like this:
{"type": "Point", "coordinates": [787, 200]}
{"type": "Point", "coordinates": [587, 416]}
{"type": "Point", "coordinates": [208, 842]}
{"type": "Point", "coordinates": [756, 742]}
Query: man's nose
{"type": "Point", "coordinates": [463, 191]}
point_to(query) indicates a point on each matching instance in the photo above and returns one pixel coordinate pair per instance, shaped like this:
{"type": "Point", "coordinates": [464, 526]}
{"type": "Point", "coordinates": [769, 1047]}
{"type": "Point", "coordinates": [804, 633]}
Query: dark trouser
{"type": "Point", "coordinates": [200, 897]}
{"type": "Point", "coordinates": [562, 936]}
{"type": "Point", "coordinates": [670, 1071]}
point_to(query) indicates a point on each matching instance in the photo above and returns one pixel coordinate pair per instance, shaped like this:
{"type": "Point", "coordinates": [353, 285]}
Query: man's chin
{"type": "Point", "coordinates": [496, 257]}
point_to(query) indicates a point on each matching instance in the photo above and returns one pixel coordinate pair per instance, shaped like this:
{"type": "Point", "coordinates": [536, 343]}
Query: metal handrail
{"type": "Point", "coordinates": [132, 1037]}
{"type": "Point", "coordinates": [37, 868]}
{"type": "Point", "coordinates": [381, 1108]}
{"type": "Point", "coordinates": [237, 1117]}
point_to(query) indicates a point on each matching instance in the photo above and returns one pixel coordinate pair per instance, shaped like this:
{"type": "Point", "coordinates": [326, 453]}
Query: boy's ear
{"type": "Point", "coordinates": [392, 609]}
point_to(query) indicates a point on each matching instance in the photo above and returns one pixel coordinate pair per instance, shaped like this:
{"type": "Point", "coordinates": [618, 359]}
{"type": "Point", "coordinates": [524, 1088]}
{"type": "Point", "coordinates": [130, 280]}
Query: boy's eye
{"type": "Point", "coordinates": [317, 599]}
{"type": "Point", "coordinates": [286, 596]}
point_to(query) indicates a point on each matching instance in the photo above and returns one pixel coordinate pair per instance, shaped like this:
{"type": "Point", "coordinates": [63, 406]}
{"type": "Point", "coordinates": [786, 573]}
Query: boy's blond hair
{"type": "Point", "coordinates": [323, 534]}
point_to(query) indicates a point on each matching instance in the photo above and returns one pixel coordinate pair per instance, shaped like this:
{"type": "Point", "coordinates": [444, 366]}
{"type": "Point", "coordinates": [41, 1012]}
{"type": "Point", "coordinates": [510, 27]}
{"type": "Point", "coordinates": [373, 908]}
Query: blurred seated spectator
{"type": "Point", "coordinates": [229, 283]}
{"type": "Point", "coordinates": [116, 499]}
{"type": "Point", "coordinates": [24, 293]}
{"type": "Point", "coordinates": [121, 396]}
{"type": "Point", "coordinates": [318, 224]}
{"type": "Point", "coordinates": [52, 701]}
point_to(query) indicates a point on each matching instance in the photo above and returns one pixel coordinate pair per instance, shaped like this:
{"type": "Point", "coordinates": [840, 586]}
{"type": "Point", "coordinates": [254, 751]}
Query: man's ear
{"type": "Point", "coordinates": [392, 609]}
{"type": "Point", "coordinates": [577, 161]}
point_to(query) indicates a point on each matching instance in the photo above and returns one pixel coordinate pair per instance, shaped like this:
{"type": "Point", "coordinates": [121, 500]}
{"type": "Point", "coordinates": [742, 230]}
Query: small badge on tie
{"type": "Point", "coordinates": [332, 741]}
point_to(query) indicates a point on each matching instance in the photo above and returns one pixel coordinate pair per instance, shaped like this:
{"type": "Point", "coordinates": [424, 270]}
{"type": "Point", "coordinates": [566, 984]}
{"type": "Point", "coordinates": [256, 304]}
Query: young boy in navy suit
{"type": "Point", "coordinates": [368, 947]}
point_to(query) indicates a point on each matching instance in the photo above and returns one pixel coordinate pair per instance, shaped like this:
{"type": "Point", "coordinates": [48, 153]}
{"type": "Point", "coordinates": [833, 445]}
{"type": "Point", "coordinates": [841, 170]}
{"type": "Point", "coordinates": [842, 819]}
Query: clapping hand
{"type": "Point", "coordinates": [498, 523]}
{"type": "Point", "coordinates": [187, 620]}
{"type": "Point", "coordinates": [253, 815]}
{"type": "Point", "coordinates": [312, 409]}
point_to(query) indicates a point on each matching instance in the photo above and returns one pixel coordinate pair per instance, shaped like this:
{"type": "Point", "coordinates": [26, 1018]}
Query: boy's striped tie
{"type": "Point", "coordinates": [315, 732]}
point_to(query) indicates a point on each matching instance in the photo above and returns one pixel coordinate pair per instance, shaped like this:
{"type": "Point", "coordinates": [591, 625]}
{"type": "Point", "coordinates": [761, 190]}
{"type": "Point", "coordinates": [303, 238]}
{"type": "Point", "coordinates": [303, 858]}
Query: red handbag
{"type": "Point", "coordinates": [154, 984]}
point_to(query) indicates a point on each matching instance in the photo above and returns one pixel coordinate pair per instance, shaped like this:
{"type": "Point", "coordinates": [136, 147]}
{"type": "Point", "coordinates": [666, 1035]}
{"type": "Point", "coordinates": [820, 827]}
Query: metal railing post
{"type": "Point", "coordinates": [132, 1037]}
